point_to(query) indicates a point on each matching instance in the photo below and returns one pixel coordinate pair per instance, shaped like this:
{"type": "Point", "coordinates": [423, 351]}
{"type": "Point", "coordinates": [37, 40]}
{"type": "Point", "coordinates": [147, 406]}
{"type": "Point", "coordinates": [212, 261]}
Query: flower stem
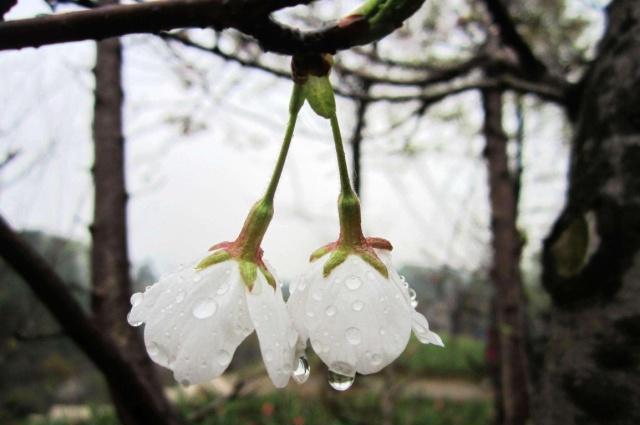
{"type": "Point", "coordinates": [297, 99]}
{"type": "Point", "coordinates": [345, 182]}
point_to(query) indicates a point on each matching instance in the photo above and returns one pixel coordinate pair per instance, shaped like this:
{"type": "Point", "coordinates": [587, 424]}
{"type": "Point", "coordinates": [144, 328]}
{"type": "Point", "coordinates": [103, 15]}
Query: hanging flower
{"type": "Point", "coordinates": [357, 319]}
{"type": "Point", "coordinates": [352, 305]}
{"type": "Point", "coordinates": [196, 318]}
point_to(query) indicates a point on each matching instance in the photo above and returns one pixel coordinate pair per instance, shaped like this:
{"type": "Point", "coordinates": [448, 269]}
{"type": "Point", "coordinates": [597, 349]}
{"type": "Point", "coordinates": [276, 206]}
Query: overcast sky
{"type": "Point", "coordinates": [190, 191]}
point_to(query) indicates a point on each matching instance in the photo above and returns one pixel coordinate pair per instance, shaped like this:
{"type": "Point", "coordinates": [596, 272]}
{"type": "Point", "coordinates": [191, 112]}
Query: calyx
{"type": "Point", "coordinates": [351, 241]}
{"type": "Point", "coordinates": [246, 248]}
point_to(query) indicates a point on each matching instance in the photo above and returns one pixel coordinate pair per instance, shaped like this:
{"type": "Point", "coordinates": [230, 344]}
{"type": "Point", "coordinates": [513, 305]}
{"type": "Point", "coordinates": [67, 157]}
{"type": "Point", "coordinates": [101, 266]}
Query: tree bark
{"type": "Point", "coordinates": [99, 347]}
{"type": "Point", "coordinates": [591, 373]}
{"type": "Point", "coordinates": [510, 341]}
{"type": "Point", "coordinates": [111, 281]}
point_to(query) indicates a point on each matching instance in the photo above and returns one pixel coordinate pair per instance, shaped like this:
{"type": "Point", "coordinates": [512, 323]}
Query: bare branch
{"type": "Point", "coordinates": [510, 36]}
{"type": "Point", "coordinates": [248, 16]}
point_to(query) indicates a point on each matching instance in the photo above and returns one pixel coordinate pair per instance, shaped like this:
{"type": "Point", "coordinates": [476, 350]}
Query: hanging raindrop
{"type": "Point", "coordinates": [302, 371]}
{"type": "Point", "coordinates": [339, 381]}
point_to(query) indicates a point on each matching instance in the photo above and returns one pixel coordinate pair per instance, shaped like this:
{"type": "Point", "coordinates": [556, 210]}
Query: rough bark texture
{"type": "Point", "coordinates": [591, 260]}
{"type": "Point", "coordinates": [111, 282]}
{"type": "Point", "coordinates": [505, 270]}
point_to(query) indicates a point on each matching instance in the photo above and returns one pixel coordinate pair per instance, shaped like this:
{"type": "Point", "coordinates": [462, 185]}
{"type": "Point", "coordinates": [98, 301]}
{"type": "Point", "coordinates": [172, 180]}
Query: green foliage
{"type": "Point", "coordinates": [461, 357]}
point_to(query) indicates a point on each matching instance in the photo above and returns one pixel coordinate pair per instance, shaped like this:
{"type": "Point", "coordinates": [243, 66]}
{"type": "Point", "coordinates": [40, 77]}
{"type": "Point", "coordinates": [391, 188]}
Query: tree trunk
{"type": "Point", "coordinates": [591, 373]}
{"type": "Point", "coordinates": [509, 332]}
{"type": "Point", "coordinates": [111, 282]}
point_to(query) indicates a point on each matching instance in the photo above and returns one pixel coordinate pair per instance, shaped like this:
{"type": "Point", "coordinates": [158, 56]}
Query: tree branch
{"type": "Point", "coordinates": [510, 36]}
{"type": "Point", "coordinates": [248, 16]}
{"type": "Point", "coordinates": [52, 292]}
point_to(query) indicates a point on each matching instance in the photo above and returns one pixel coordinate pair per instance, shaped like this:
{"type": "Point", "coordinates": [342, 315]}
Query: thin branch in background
{"type": "Point", "coordinates": [10, 157]}
{"type": "Point", "coordinates": [510, 36]}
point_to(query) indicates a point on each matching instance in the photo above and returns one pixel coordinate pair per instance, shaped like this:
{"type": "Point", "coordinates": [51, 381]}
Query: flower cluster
{"type": "Point", "coordinates": [351, 304]}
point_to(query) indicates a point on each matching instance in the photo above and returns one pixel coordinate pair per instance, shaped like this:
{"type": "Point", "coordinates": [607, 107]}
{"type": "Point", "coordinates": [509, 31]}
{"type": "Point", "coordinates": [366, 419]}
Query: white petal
{"type": "Point", "coordinates": [274, 328]}
{"type": "Point", "coordinates": [197, 321]}
{"type": "Point", "coordinates": [421, 330]}
{"type": "Point", "coordinates": [356, 317]}
{"type": "Point", "coordinates": [299, 291]}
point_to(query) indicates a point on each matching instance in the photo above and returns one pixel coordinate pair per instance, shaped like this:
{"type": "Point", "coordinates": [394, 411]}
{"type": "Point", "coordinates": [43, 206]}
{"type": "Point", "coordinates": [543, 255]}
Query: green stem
{"type": "Point", "coordinates": [297, 99]}
{"type": "Point", "coordinates": [348, 202]}
{"type": "Point", "coordinates": [345, 182]}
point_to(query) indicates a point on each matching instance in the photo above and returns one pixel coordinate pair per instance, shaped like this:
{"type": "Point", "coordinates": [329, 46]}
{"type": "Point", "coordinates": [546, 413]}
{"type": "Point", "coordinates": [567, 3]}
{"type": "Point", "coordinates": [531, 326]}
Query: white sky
{"type": "Point", "coordinates": [188, 192]}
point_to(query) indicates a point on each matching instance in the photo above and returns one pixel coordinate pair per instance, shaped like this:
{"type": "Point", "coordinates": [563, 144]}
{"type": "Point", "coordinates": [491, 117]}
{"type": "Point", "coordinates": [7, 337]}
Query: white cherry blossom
{"type": "Point", "coordinates": [356, 319]}
{"type": "Point", "coordinates": [194, 321]}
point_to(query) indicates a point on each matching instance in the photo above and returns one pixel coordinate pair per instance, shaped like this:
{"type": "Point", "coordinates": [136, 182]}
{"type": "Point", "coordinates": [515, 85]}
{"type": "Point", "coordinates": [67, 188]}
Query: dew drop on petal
{"type": "Point", "coordinates": [353, 335]}
{"type": "Point", "coordinates": [136, 299]}
{"type": "Point", "coordinates": [302, 371]}
{"type": "Point", "coordinates": [223, 357]}
{"type": "Point", "coordinates": [134, 323]}
{"type": "Point", "coordinates": [268, 355]}
{"type": "Point", "coordinates": [371, 276]}
{"type": "Point", "coordinates": [357, 305]}
{"type": "Point", "coordinates": [317, 295]}
{"type": "Point", "coordinates": [382, 331]}
{"type": "Point", "coordinates": [205, 308]}
{"type": "Point", "coordinates": [223, 288]}
{"type": "Point", "coordinates": [414, 303]}
{"type": "Point", "coordinates": [152, 349]}
{"type": "Point", "coordinates": [341, 376]}
{"type": "Point", "coordinates": [310, 313]}
{"type": "Point", "coordinates": [331, 311]}
{"type": "Point", "coordinates": [376, 359]}
{"type": "Point", "coordinates": [180, 297]}
{"type": "Point", "coordinates": [197, 277]}
{"type": "Point", "coordinates": [353, 282]}
{"type": "Point", "coordinates": [302, 285]}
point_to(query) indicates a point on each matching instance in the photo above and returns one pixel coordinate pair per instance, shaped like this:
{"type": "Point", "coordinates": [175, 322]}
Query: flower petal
{"type": "Point", "coordinates": [421, 330]}
{"type": "Point", "coordinates": [298, 293]}
{"type": "Point", "coordinates": [197, 322]}
{"type": "Point", "coordinates": [275, 330]}
{"type": "Point", "coordinates": [356, 317]}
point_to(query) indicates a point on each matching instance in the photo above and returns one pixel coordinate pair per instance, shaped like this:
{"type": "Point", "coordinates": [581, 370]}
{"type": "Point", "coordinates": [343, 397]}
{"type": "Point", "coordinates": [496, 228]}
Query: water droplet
{"type": "Point", "coordinates": [414, 303]}
{"type": "Point", "coordinates": [357, 306]}
{"type": "Point", "coordinates": [341, 376]}
{"type": "Point", "coordinates": [181, 267]}
{"type": "Point", "coordinates": [310, 313]}
{"type": "Point", "coordinates": [134, 323]}
{"type": "Point", "coordinates": [223, 288]}
{"type": "Point", "coordinates": [136, 299]}
{"type": "Point", "coordinates": [152, 349]}
{"type": "Point", "coordinates": [317, 345]}
{"type": "Point", "coordinates": [382, 331]}
{"type": "Point", "coordinates": [376, 359]}
{"type": "Point", "coordinates": [317, 295]}
{"type": "Point", "coordinates": [268, 355]}
{"type": "Point", "coordinates": [412, 294]}
{"type": "Point", "coordinates": [353, 335]}
{"type": "Point", "coordinates": [302, 371]}
{"type": "Point", "coordinates": [302, 285]}
{"type": "Point", "coordinates": [180, 297]}
{"type": "Point", "coordinates": [370, 275]}
{"type": "Point", "coordinates": [223, 357]}
{"type": "Point", "coordinates": [197, 278]}
{"type": "Point", "coordinates": [331, 311]}
{"type": "Point", "coordinates": [146, 288]}
{"type": "Point", "coordinates": [227, 271]}
{"type": "Point", "coordinates": [353, 282]}
{"type": "Point", "coordinates": [205, 308]}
